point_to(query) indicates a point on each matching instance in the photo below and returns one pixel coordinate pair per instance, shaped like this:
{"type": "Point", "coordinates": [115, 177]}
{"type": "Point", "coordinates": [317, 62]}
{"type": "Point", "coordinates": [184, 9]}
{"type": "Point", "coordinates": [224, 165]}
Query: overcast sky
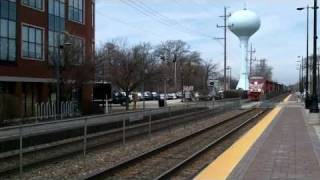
{"type": "Point", "coordinates": [280, 40]}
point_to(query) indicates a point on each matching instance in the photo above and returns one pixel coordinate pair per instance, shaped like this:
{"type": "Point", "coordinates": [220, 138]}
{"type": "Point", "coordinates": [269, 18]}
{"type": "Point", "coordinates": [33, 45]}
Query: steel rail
{"type": "Point", "coordinates": [183, 118]}
{"type": "Point", "coordinates": [126, 163]}
{"type": "Point", "coordinates": [174, 169]}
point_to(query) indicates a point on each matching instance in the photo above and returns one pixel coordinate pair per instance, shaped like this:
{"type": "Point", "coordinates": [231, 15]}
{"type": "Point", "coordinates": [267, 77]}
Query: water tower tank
{"type": "Point", "coordinates": [244, 24]}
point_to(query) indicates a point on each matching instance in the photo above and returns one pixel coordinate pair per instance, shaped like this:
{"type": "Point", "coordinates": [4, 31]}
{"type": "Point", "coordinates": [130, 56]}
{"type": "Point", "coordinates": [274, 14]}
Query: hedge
{"type": "Point", "coordinates": [10, 107]}
{"type": "Point", "coordinates": [232, 94]}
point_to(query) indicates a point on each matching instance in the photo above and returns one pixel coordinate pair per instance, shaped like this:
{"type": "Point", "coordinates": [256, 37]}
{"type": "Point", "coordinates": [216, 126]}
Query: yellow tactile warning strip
{"type": "Point", "coordinates": [222, 167]}
{"type": "Point", "coordinates": [287, 98]}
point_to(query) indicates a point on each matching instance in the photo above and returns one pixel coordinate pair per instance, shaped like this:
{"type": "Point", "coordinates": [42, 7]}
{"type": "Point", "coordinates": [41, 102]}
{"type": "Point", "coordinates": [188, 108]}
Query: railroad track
{"type": "Point", "coordinates": [163, 161]}
{"type": "Point", "coordinates": [50, 152]}
{"type": "Point", "coordinates": [64, 149]}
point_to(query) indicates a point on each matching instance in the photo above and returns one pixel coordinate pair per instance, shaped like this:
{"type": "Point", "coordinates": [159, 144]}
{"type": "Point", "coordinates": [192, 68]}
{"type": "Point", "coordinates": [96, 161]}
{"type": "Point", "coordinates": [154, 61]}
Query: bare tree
{"type": "Point", "coordinates": [127, 68]}
{"type": "Point", "coordinates": [209, 70]}
{"type": "Point", "coordinates": [263, 69]}
{"type": "Point", "coordinates": [76, 70]}
{"type": "Point", "coordinates": [173, 53]}
{"type": "Point", "coordinates": [145, 67]}
{"type": "Point", "coordinates": [179, 62]}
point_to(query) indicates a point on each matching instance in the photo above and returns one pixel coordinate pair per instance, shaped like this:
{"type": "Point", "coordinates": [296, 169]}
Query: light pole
{"type": "Point", "coordinates": [143, 84]}
{"type": "Point", "coordinates": [314, 107]}
{"type": "Point", "coordinates": [299, 67]}
{"type": "Point", "coordinates": [175, 71]}
{"type": "Point", "coordinates": [303, 82]}
{"type": "Point", "coordinates": [230, 69]}
{"type": "Point", "coordinates": [165, 79]}
{"type": "Point", "coordinates": [307, 98]}
{"type": "Point", "coordinates": [318, 76]}
{"type": "Point", "coordinates": [165, 92]}
{"type": "Point", "coordinates": [299, 82]}
{"type": "Point", "coordinates": [58, 75]}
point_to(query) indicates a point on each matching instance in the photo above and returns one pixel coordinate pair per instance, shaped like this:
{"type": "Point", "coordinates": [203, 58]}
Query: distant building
{"type": "Point", "coordinates": [32, 33]}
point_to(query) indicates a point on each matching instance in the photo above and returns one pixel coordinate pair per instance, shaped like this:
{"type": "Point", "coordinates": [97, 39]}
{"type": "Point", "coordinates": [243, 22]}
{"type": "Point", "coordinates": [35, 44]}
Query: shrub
{"type": "Point", "coordinates": [232, 94]}
{"type": "Point", "coordinates": [10, 107]}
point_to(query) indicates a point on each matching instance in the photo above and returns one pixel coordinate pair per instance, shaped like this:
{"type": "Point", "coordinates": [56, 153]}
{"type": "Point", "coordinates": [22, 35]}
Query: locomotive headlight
{"type": "Point", "coordinates": [259, 90]}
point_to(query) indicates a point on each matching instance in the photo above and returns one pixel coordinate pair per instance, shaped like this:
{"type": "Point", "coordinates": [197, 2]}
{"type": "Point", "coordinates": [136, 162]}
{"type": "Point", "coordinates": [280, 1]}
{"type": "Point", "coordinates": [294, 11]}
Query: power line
{"type": "Point", "coordinates": [141, 11]}
{"type": "Point", "coordinates": [129, 24]}
{"type": "Point", "coordinates": [155, 15]}
{"type": "Point", "coordinates": [175, 22]}
{"type": "Point", "coordinates": [149, 9]}
{"type": "Point", "coordinates": [170, 20]}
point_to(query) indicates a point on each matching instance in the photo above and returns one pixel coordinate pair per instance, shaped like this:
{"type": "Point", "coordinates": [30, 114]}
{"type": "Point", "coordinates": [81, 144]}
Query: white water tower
{"type": "Point", "coordinates": [244, 24]}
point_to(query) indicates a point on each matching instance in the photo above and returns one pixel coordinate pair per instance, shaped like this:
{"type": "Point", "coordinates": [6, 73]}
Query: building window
{"type": "Point", "coordinates": [56, 28]}
{"type": "Point", "coordinates": [8, 30]}
{"type": "Point", "coordinates": [76, 10]}
{"type": "Point", "coordinates": [56, 8]}
{"type": "Point", "coordinates": [32, 42]}
{"type": "Point", "coordinates": [35, 4]}
{"type": "Point", "coordinates": [76, 50]}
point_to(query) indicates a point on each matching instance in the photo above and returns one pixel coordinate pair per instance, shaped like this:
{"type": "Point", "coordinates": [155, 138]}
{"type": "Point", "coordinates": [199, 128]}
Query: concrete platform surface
{"type": "Point", "coordinates": [285, 151]}
{"type": "Point", "coordinates": [288, 148]}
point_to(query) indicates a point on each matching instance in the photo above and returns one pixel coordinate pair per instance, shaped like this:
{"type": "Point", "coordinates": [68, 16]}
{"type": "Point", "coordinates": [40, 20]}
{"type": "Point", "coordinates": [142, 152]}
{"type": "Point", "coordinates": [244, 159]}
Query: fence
{"type": "Point", "coordinates": [92, 130]}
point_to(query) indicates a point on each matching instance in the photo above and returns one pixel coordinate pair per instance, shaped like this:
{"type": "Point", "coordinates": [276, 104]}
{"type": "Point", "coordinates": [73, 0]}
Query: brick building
{"type": "Point", "coordinates": [32, 35]}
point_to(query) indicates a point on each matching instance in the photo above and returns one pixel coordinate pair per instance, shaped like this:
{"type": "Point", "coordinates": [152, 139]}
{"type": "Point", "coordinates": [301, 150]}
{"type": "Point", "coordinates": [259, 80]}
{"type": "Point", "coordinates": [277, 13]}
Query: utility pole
{"type": "Point", "coordinates": [252, 51]}
{"type": "Point", "coordinates": [225, 17]}
{"type": "Point", "coordinates": [314, 108]}
{"type": "Point", "coordinates": [262, 66]}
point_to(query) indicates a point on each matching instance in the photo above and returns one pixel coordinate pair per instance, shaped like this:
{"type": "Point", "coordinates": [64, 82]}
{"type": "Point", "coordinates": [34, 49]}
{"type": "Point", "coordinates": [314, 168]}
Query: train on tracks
{"type": "Point", "coordinates": [261, 88]}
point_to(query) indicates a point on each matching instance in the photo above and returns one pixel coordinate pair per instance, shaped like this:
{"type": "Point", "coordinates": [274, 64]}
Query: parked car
{"type": "Point", "coordinates": [179, 94]}
{"type": "Point", "coordinates": [162, 95]}
{"type": "Point", "coordinates": [139, 96]}
{"type": "Point", "coordinates": [147, 96]}
{"type": "Point", "coordinates": [130, 95]}
{"type": "Point", "coordinates": [173, 95]}
{"type": "Point", "coordinates": [218, 95]}
{"type": "Point", "coordinates": [155, 96]}
{"type": "Point", "coordinates": [196, 96]}
{"type": "Point", "coordinates": [119, 98]}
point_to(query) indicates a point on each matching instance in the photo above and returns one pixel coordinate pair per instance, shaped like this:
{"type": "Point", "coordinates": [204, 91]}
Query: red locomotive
{"type": "Point", "coordinates": [260, 88]}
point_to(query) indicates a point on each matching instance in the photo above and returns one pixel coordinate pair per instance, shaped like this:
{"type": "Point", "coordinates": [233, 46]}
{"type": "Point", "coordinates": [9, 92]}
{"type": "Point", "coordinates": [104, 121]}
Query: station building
{"type": "Point", "coordinates": [32, 35]}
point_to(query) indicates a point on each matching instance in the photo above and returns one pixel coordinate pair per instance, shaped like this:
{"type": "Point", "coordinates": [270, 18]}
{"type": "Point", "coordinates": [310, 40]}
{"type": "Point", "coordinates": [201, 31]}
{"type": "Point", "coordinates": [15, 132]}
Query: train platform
{"type": "Point", "coordinates": [285, 144]}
